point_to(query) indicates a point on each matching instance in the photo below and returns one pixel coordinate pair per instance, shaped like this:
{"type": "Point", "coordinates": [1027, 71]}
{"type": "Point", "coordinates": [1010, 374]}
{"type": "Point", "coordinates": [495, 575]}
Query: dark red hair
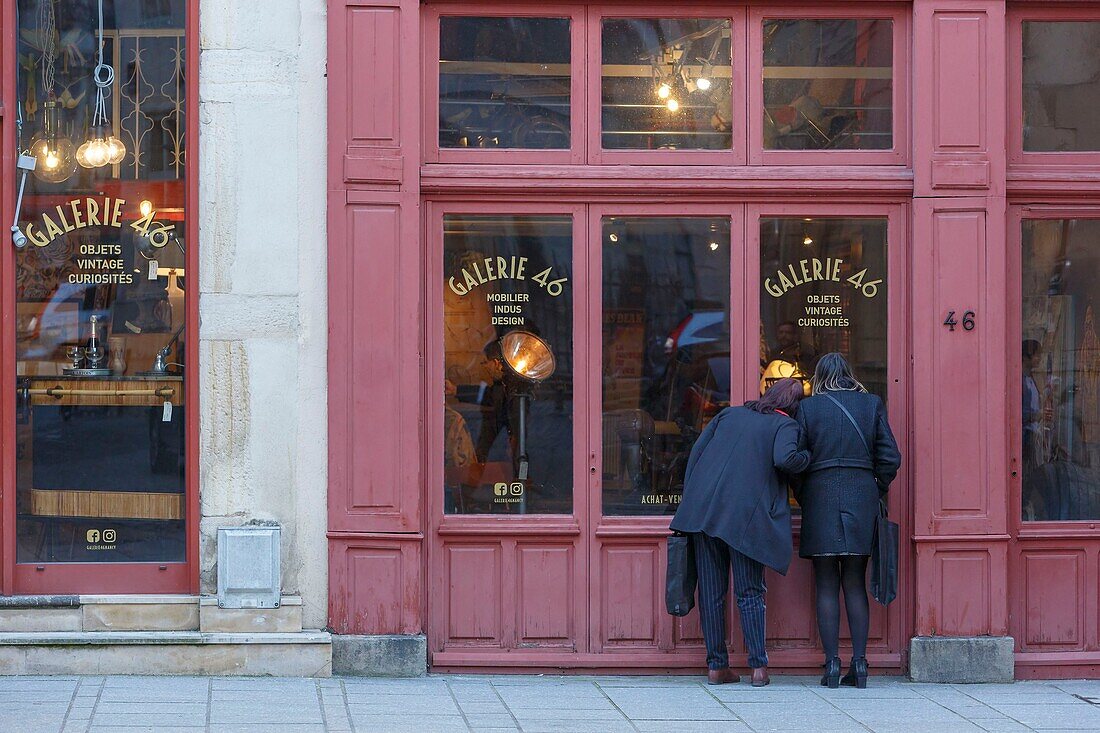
{"type": "Point", "coordinates": [783, 395]}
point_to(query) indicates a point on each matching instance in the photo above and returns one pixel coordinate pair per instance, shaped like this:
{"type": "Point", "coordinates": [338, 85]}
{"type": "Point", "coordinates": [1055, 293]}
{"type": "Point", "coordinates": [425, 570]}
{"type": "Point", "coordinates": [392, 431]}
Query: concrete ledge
{"type": "Point", "coordinates": [305, 654]}
{"type": "Point", "coordinates": [961, 659]}
{"type": "Point", "coordinates": [397, 655]}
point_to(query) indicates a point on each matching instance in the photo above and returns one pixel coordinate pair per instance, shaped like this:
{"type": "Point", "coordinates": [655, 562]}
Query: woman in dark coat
{"type": "Point", "coordinates": [735, 506]}
{"type": "Point", "coordinates": [839, 495]}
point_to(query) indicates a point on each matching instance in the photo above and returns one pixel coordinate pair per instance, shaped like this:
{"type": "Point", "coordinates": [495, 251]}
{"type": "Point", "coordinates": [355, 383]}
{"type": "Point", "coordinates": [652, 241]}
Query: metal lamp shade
{"type": "Point", "coordinates": [527, 355]}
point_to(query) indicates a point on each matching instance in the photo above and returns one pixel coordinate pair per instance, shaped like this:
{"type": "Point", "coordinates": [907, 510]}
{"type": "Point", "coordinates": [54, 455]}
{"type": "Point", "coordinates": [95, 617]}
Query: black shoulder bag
{"type": "Point", "coordinates": [884, 548]}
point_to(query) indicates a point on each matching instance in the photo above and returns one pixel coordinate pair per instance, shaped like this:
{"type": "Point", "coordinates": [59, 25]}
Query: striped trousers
{"type": "Point", "coordinates": [713, 559]}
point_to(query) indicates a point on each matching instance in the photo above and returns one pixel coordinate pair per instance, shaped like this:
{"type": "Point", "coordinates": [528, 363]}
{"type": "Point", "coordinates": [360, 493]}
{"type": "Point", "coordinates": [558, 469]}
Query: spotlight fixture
{"type": "Point", "coordinates": [528, 357]}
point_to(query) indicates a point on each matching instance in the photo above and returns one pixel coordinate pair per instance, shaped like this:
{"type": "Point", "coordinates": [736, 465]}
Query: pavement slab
{"type": "Point", "coordinates": [536, 704]}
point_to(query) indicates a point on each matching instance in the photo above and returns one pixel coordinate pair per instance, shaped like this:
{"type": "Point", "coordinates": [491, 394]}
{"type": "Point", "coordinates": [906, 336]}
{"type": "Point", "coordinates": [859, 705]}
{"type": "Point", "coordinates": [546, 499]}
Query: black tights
{"type": "Point", "coordinates": [830, 575]}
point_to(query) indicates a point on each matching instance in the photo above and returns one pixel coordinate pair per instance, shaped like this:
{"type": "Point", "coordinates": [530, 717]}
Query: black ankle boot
{"type": "Point", "coordinates": [857, 674]}
{"type": "Point", "coordinates": [831, 678]}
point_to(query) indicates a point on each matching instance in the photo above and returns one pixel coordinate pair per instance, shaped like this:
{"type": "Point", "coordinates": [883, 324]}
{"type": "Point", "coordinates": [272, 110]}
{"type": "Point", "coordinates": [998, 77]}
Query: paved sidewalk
{"type": "Point", "coordinates": [441, 704]}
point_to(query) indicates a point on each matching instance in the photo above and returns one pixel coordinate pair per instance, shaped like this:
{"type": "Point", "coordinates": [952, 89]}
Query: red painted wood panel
{"type": "Point", "coordinates": [374, 306]}
{"type": "Point", "coordinates": [959, 84]}
{"type": "Point", "coordinates": [629, 595]}
{"type": "Point", "coordinates": [1053, 589]}
{"type": "Point", "coordinates": [378, 584]}
{"type": "Point", "coordinates": [474, 594]}
{"type": "Point", "coordinates": [544, 595]}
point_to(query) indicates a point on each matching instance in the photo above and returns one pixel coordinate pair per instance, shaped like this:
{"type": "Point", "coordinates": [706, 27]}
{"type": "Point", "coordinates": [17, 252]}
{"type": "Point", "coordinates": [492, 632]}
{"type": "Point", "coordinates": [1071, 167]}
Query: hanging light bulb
{"type": "Point", "coordinates": [145, 207]}
{"type": "Point", "coordinates": [807, 240]}
{"type": "Point", "coordinates": [703, 83]}
{"type": "Point", "coordinates": [104, 148]}
{"type": "Point", "coordinates": [672, 105]}
{"type": "Point", "coordinates": [116, 150]}
{"type": "Point", "coordinates": [54, 152]}
{"type": "Point", "coordinates": [664, 89]}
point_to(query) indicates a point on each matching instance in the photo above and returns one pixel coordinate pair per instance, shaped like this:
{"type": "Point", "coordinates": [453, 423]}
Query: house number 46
{"type": "Point", "coordinates": [967, 321]}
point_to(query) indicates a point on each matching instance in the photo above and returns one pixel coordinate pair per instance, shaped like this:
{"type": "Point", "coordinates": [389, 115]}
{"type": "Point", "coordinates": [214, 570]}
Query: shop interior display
{"type": "Point", "coordinates": [100, 282]}
{"type": "Point", "coordinates": [666, 83]}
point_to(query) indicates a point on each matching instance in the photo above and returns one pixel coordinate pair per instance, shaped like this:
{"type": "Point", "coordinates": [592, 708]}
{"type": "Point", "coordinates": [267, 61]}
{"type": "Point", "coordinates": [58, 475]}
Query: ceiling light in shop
{"type": "Point", "coordinates": [672, 105]}
{"type": "Point", "coordinates": [807, 240]}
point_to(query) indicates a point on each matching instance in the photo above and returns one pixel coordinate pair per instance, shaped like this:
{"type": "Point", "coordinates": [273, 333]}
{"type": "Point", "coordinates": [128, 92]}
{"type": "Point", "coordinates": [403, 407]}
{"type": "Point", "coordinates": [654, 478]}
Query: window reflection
{"type": "Point", "coordinates": [1060, 356]}
{"type": "Point", "coordinates": [504, 82]}
{"type": "Point", "coordinates": [1061, 85]}
{"type": "Point", "coordinates": [666, 84]}
{"type": "Point", "coordinates": [828, 84]}
{"type": "Point", "coordinates": [666, 359]}
{"type": "Point", "coordinates": [508, 382]}
{"type": "Point", "coordinates": [100, 301]}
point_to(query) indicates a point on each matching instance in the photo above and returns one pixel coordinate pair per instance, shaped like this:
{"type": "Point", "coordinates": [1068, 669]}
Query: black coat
{"type": "Point", "coordinates": [839, 493]}
{"type": "Point", "coordinates": [733, 489]}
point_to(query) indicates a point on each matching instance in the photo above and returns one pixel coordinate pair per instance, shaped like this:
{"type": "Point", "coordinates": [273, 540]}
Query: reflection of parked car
{"type": "Point", "coordinates": [62, 320]}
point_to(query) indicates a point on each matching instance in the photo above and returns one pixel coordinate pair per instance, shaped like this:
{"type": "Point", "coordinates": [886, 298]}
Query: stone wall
{"type": "Point", "coordinates": [262, 282]}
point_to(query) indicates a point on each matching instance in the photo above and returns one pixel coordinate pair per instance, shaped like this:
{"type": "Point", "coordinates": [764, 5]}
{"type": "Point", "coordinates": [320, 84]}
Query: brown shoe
{"type": "Point", "coordinates": [760, 677]}
{"type": "Point", "coordinates": [721, 676]}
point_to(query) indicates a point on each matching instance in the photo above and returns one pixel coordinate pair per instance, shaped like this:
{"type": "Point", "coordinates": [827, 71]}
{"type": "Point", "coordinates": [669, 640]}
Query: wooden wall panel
{"type": "Point", "coordinates": [374, 307]}
{"type": "Point", "coordinates": [380, 582]}
{"type": "Point", "coordinates": [630, 591]}
{"type": "Point", "coordinates": [959, 73]}
{"type": "Point", "coordinates": [474, 594]}
{"type": "Point", "coordinates": [544, 595]}
{"type": "Point", "coordinates": [1054, 592]}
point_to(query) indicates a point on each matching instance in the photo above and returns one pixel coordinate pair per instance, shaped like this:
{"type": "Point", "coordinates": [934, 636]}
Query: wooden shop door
{"type": "Point", "coordinates": [658, 317]}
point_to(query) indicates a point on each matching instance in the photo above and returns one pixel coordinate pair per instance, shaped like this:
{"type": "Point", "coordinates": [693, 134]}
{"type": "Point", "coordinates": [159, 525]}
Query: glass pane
{"type": "Point", "coordinates": [1061, 370]}
{"type": "Point", "coordinates": [1061, 86]}
{"type": "Point", "coordinates": [666, 353]}
{"type": "Point", "coordinates": [504, 83]}
{"type": "Point", "coordinates": [823, 289]}
{"type": "Point", "coordinates": [100, 304]}
{"type": "Point", "coordinates": [828, 84]}
{"type": "Point", "coordinates": [508, 387]}
{"type": "Point", "coordinates": [666, 84]}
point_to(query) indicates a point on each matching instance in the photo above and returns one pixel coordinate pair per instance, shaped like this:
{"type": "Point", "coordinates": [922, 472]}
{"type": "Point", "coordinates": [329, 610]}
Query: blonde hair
{"type": "Point", "coordinates": [833, 374]}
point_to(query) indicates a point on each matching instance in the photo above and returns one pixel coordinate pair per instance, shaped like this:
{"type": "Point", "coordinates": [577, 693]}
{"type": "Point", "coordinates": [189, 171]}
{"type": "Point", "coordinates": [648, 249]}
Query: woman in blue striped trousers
{"type": "Point", "coordinates": [735, 505]}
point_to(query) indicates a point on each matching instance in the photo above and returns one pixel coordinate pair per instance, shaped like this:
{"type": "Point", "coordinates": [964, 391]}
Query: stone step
{"type": "Point", "coordinates": [287, 618]}
{"type": "Point", "coordinates": [301, 654]}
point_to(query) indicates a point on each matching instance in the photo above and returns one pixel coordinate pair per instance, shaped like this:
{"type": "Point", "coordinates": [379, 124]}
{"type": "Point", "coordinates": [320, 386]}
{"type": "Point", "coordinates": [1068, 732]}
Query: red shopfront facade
{"type": "Point", "coordinates": [679, 205]}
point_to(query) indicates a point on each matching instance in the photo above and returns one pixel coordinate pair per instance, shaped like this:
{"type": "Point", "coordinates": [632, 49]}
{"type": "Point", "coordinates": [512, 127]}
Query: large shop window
{"type": "Point", "coordinates": [1061, 86]}
{"type": "Point", "coordinates": [508, 381]}
{"type": "Point", "coordinates": [1060, 356]}
{"type": "Point", "coordinates": [666, 353]}
{"type": "Point", "coordinates": [100, 304]}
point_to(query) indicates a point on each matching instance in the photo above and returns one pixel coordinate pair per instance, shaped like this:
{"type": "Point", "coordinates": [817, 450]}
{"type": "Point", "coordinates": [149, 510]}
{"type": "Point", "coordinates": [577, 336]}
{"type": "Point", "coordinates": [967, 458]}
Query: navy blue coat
{"type": "Point", "coordinates": [839, 493]}
{"type": "Point", "coordinates": [733, 489]}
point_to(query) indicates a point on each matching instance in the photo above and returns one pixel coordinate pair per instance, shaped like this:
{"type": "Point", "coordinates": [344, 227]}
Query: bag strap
{"type": "Point", "coordinates": [852, 420]}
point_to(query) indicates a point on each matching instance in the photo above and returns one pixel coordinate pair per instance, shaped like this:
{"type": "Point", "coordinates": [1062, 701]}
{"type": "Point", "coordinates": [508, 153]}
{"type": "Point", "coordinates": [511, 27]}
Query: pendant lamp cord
{"type": "Point", "coordinates": [104, 76]}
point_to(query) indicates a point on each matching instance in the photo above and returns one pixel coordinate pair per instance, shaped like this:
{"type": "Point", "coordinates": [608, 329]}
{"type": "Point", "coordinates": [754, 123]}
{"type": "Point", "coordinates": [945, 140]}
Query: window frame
{"type": "Point", "coordinates": [1017, 156]}
{"type": "Point", "coordinates": [107, 577]}
{"type": "Point", "coordinates": [434, 153]}
{"type": "Point", "coordinates": [901, 61]}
